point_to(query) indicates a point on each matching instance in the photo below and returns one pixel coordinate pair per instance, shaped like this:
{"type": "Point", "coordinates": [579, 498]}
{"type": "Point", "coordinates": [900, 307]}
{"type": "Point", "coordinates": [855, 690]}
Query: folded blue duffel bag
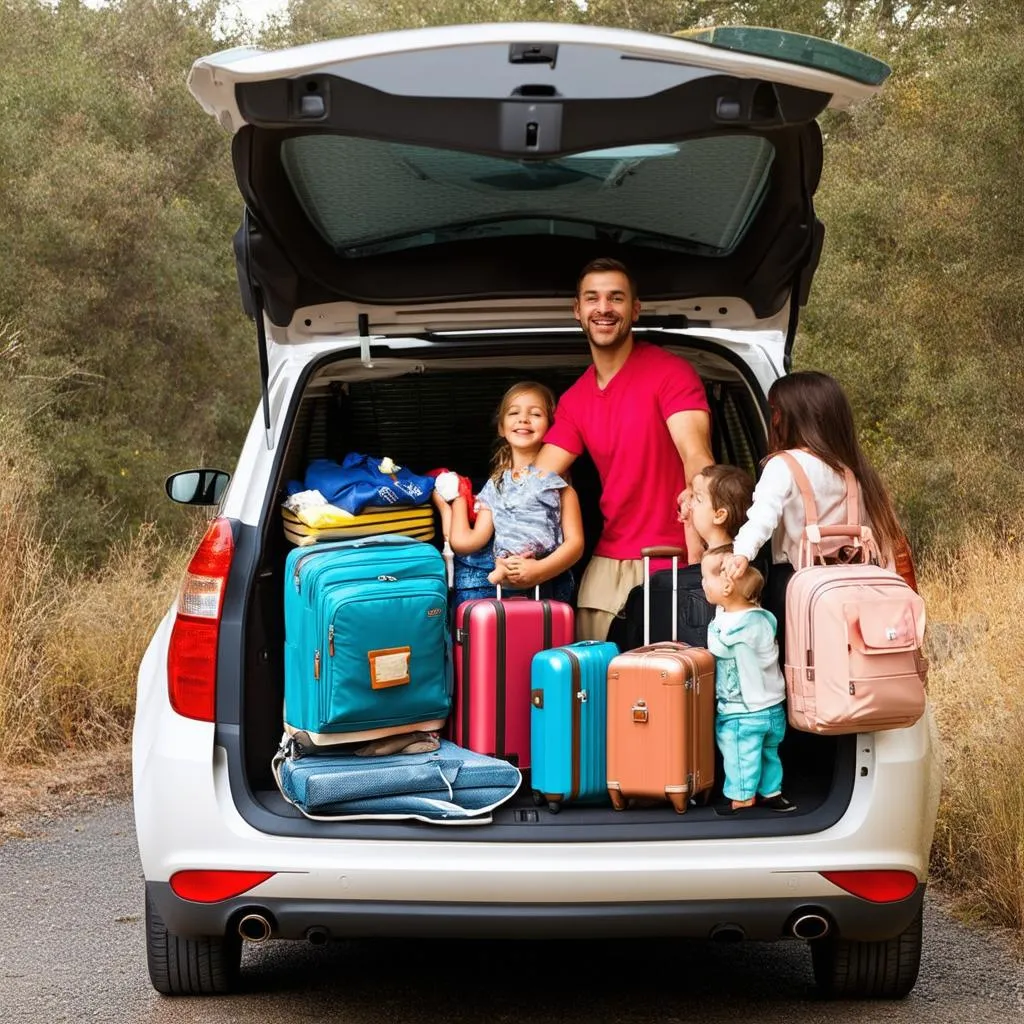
{"type": "Point", "coordinates": [446, 786]}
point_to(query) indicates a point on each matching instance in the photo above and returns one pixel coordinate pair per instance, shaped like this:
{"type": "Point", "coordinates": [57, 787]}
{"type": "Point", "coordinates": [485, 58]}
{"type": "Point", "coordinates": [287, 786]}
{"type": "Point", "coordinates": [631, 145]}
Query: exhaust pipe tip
{"type": "Point", "coordinates": [727, 933]}
{"type": "Point", "coordinates": [317, 935]}
{"type": "Point", "coordinates": [810, 925]}
{"type": "Point", "coordinates": [254, 927]}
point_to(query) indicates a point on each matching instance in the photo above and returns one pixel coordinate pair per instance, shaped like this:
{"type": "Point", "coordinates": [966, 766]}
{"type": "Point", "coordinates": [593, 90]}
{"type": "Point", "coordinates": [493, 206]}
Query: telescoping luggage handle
{"type": "Point", "coordinates": [536, 592]}
{"type": "Point", "coordinates": [814, 534]}
{"type": "Point", "coordinates": [661, 552]}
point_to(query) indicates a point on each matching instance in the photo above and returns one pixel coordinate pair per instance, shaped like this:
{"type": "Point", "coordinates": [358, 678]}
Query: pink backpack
{"type": "Point", "coordinates": [854, 630]}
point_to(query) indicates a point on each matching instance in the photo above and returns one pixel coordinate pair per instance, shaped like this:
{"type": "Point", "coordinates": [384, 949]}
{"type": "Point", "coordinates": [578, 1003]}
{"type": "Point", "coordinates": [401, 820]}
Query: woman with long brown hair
{"type": "Point", "coordinates": [811, 419]}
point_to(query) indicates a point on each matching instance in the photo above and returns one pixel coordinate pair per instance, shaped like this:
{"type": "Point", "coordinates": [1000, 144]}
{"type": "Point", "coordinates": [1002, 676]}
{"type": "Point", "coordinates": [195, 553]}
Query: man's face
{"type": "Point", "coordinates": [606, 308]}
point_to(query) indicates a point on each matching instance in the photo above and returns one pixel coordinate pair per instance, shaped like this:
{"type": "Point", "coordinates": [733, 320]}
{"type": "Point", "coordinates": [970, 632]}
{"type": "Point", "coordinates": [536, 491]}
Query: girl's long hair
{"type": "Point", "coordinates": [811, 411]}
{"type": "Point", "coordinates": [502, 457]}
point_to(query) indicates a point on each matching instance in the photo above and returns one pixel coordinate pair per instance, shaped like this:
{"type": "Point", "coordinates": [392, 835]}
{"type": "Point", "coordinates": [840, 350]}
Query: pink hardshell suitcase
{"type": "Point", "coordinates": [495, 641]}
{"type": "Point", "coordinates": [661, 716]}
{"type": "Point", "coordinates": [854, 630]}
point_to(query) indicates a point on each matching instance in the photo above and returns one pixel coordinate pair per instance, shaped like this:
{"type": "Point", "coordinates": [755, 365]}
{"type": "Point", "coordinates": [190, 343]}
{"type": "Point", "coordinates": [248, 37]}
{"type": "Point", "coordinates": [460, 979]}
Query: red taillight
{"type": "Point", "coordinates": [904, 563]}
{"type": "Point", "coordinates": [214, 886]}
{"type": "Point", "coordinates": [192, 654]}
{"type": "Point", "coordinates": [875, 886]}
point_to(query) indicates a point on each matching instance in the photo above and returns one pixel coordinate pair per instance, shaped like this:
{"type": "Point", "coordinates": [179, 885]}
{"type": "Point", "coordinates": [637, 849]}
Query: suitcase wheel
{"type": "Point", "coordinates": [618, 800]}
{"type": "Point", "coordinates": [554, 806]}
{"type": "Point", "coordinates": [538, 799]}
{"type": "Point", "coordinates": [679, 802]}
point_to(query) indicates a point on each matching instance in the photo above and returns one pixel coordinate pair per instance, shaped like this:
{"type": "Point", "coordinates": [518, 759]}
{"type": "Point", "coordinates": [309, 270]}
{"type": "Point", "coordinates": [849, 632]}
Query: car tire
{"type": "Point", "coordinates": [847, 969]}
{"type": "Point", "coordinates": [190, 967]}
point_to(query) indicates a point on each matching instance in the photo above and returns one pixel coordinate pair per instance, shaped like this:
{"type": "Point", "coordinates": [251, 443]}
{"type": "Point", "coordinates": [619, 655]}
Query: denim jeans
{"type": "Point", "coordinates": [749, 743]}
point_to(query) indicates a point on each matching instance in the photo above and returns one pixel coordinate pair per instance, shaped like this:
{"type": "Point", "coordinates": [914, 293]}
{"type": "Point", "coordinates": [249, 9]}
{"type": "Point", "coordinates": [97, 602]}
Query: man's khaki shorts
{"type": "Point", "coordinates": [603, 591]}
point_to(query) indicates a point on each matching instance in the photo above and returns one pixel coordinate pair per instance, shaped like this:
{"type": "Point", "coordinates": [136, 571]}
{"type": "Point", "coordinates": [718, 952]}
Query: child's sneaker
{"type": "Point", "coordinates": [776, 803]}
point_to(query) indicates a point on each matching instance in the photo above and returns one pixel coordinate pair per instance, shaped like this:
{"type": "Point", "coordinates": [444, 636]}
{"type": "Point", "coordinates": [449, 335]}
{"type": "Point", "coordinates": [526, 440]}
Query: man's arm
{"type": "Point", "coordinates": [691, 434]}
{"type": "Point", "coordinates": [552, 459]}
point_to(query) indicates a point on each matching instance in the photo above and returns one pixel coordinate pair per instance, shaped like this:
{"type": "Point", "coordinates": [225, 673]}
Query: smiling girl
{"type": "Point", "coordinates": [533, 516]}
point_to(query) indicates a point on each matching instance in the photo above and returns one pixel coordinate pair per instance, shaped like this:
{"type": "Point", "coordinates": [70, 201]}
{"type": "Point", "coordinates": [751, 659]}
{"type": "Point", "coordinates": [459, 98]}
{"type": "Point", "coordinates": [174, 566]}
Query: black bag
{"type": "Point", "coordinates": [693, 613]}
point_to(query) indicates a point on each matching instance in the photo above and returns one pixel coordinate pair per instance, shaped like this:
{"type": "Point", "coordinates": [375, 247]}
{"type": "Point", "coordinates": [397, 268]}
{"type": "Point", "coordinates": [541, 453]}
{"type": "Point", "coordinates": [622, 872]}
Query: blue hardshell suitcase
{"type": "Point", "coordinates": [367, 640]}
{"type": "Point", "coordinates": [568, 698]}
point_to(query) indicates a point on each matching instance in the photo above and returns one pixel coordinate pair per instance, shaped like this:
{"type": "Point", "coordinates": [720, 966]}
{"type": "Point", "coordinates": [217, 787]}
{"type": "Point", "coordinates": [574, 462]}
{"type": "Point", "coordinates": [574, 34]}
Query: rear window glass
{"type": "Point", "coordinates": [367, 197]}
{"type": "Point", "coordinates": [794, 48]}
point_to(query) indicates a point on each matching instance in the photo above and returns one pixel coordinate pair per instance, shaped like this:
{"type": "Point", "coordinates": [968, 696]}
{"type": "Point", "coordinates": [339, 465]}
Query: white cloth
{"type": "Point", "coordinates": [778, 510]}
{"type": "Point", "coordinates": [304, 499]}
{"type": "Point", "coordinates": [447, 485]}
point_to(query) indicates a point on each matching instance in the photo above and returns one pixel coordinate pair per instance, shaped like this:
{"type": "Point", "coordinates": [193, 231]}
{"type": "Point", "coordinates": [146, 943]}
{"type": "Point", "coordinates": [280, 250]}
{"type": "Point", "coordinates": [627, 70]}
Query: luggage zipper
{"type": "Point", "coordinates": [579, 698]}
{"type": "Point", "coordinates": [500, 695]}
{"type": "Point", "coordinates": [408, 589]}
{"type": "Point", "coordinates": [462, 636]}
{"type": "Point", "coordinates": [371, 559]}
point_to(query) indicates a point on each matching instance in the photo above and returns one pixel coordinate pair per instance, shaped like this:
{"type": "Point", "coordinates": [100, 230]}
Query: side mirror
{"type": "Point", "coordinates": [197, 486]}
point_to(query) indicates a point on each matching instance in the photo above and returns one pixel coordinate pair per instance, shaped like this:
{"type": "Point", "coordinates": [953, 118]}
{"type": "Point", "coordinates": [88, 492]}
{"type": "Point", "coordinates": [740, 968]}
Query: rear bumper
{"type": "Point", "coordinates": [759, 919]}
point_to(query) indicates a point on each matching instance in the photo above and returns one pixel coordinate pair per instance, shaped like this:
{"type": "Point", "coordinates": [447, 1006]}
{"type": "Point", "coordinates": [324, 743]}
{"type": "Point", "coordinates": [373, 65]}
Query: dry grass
{"type": "Point", "coordinates": [977, 688]}
{"type": "Point", "coordinates": [101, 630]}
{"type": "Point", "coordinates": [70, 646]}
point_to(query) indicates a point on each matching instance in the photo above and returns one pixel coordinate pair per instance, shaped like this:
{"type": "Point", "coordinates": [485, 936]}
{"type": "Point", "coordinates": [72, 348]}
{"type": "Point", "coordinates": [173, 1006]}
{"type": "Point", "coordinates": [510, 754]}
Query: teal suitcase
{"type": "Point", "coordinates": [367, 640]}
{"type": "Point", "coordinates": [568, 713]}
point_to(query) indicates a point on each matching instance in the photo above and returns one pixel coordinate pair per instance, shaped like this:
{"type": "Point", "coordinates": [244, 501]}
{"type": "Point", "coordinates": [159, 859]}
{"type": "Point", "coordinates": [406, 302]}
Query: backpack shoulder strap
{"type": "Point", "coordinates": [810, 507]}
{"type": "Point", "coordinates": [852, 497]}
{"type": "Point", "coordinates": [804, 485]}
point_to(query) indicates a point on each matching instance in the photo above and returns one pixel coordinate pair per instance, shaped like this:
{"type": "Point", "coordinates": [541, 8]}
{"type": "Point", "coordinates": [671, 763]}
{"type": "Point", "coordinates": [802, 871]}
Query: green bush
{"type": "Point", "coordinates": [117, 205]}
{"type": "Point", "coordinates": [919, 302]}
{"type": "Point", "coordinates": [115, 225]}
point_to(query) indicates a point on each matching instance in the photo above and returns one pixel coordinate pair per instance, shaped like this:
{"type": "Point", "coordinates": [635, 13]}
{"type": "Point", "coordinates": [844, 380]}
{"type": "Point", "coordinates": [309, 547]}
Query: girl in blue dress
{"type": "Point", "coordinates": [532, 517]}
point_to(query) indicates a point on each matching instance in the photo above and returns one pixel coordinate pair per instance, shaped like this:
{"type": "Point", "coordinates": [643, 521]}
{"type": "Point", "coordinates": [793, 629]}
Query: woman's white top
{"type": "Point", "coordinates": [778, 509]}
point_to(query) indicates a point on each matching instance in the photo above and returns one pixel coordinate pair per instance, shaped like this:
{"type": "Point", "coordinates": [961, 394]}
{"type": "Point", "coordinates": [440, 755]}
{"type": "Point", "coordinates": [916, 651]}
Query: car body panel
{"type": "Point", "coordinates": [212, 79]}
{"type": "Point", "coordinates": [432, 122]}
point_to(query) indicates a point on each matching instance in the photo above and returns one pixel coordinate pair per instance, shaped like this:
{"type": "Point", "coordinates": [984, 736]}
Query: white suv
{"type": "Point", "coordinates": [416, 207]}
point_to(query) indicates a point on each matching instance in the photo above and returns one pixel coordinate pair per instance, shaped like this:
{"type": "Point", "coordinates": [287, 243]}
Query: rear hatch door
{"type": "Point", "coordinates": [460, 176]}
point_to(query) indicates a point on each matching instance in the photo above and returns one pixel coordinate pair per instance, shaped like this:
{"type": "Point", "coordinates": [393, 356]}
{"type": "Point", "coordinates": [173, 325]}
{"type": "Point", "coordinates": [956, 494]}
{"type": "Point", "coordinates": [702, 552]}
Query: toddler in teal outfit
{"type": "Point", "coordinates": [750, 716]}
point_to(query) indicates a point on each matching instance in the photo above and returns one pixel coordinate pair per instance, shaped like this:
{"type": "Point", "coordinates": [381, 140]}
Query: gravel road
{"type": "Point", "coordinates": [72, 948]}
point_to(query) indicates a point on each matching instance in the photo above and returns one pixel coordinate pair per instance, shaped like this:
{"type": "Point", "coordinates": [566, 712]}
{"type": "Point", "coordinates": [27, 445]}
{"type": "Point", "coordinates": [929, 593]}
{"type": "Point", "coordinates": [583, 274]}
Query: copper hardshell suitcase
{"type": "Point", "coordinates": [661, 717]}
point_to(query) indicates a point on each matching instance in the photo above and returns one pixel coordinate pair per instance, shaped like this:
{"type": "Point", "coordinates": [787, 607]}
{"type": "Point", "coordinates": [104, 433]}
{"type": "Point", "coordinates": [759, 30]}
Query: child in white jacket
{"type": "Point", "coordinates": [750, 716]}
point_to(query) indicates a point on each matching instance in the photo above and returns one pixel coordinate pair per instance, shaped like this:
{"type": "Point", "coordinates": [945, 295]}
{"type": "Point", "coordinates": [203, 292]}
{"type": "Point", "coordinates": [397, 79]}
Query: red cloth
{"type": "Point", "coordinates": [465, 490]}
{"type": "Point", "coordinates": [623, 428]}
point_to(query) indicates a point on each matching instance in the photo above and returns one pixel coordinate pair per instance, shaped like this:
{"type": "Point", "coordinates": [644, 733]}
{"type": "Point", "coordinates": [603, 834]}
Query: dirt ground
{"type": "Point", "coordinates": [68, 783]}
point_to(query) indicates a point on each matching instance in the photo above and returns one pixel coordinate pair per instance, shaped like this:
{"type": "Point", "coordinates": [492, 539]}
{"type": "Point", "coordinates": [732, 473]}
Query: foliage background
{"type": "Point", "coordinates": [124, 354]}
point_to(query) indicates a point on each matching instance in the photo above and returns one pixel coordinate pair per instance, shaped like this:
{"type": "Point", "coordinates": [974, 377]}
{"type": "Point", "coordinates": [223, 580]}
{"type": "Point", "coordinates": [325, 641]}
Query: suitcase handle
{"type": "Point", "coordinates": [660, 552]}
{"type": "Point", "coordinates": [536, 592]}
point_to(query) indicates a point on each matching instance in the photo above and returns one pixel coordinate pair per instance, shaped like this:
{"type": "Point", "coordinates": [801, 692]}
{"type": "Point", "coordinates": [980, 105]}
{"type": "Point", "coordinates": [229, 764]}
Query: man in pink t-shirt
{"type": "Point", "coordinates": [642, 415]}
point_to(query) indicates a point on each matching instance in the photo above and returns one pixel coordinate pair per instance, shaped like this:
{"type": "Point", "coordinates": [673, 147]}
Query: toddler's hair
{"type": "Point", "coordinates": [731, 488]}
{"type": "Point", "coordinates": [502, 457]}
{"type": "Point", "coordinates": [750, 584]}
{"type": "Point", "coordinates": [711, 564]}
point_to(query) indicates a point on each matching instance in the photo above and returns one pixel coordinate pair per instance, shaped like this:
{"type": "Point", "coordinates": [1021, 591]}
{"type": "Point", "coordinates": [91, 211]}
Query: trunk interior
{"type": "Point", "coordinates": [439, 411]}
